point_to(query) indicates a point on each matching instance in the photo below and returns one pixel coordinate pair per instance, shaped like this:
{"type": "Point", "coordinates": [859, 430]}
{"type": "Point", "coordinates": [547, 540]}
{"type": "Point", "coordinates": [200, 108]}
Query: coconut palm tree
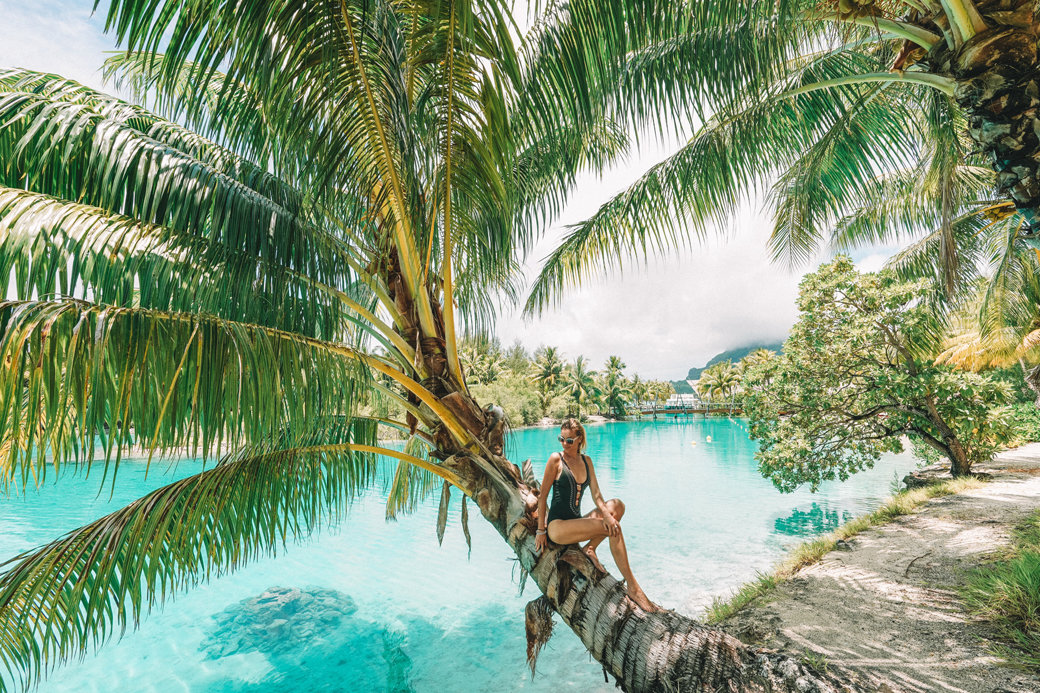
{"type": "Point", "coordinates": [547, 372]}
{"type": "Point", "coordinates": [580, 385]}
{"type": "Point", "coordinates": [825, 106]}
{"type": "Point", "coordinates": [367, 175]}
{"type": "Point", "coordinates": [640, 389]}
{"type": "Point", "coordinates": [615, 392]}
{"type": "Point", "coordinates": [720, 381]}
{"type": "Point", "coordinates": [614, 364]}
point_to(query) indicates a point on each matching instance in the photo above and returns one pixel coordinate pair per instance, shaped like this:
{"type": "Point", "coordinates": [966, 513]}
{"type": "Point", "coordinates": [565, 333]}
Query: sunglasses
{"type": "Point", "coordinates": [569, 441]}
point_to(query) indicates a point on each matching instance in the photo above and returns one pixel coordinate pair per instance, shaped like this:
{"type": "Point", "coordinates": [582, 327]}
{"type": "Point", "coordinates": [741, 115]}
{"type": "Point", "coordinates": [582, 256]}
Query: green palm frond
{"type": "Point", "coordinates": [899, 206]}
{"type": "Point", "coordinates": [210, 93]}
{"type": "Point", "coordinates": [410, 485]}
{"type": "Point", "coordinates": [977, 236]}
{"type": "Point", "coordinates": [166, 380]}
{"type": "Point", "coordinates": [720, 168]}
{"type": "Point", "coordinates": [69, 596]}
{"type": "Point", "coordinates": [71, 151]}
{"type": "Point", "coordinates": [52, 247]}
{"type": "Point", "coordinates": [167, 131]}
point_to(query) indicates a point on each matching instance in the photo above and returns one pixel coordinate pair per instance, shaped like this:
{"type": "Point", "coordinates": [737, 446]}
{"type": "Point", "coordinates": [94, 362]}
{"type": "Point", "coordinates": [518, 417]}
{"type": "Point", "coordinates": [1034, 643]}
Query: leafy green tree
{"type": "Point", "coordinates": [756, 358]}
{"type": "Point", "coordinates": [548, 372]}
{"type": "Point", "coordinates": [640, 389]}
{"type": "Point", "coordinates": [615, 393]}
{"type": "Point", "coordinates": [325, 194]}
{"type": "Point", "coordinates": [660, 391]}
{"type": "Point", "coordinates": [516, 359]}
{"type": "Point", "coordinates": [580, 386]}
{"type": "Point", "coordinates": [857, 373]}
{"type": "Point", "coordinates": [719, 382]}
{"type": "Point", "coordinates": [614, 364]}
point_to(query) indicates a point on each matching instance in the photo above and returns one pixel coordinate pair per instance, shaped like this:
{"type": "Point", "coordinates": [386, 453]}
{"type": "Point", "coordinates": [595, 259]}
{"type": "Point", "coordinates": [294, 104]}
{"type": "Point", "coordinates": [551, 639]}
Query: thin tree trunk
{"type": "Point", "coordinates": [1032, 379]}
{"type": "Point", "coordinates": [949, 444]}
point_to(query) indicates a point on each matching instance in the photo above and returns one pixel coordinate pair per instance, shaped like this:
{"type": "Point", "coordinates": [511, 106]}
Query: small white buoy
{"type": "Point", "coordinates": [707, 439]}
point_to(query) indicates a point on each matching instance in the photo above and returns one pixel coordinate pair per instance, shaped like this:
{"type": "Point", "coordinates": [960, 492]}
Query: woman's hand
{"type": "Point", "coordinates": [540, 542]}
{"type": "Point", "coordinates": [612, 526]}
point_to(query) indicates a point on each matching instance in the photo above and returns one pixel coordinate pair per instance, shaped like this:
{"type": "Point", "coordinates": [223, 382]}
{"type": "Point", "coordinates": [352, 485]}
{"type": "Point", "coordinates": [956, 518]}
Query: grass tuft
{"type": "Point", "coordinates": [721, 609]}
{"type": "Point", "coordinates": [1007, 594]}
{"type": "Point", "coordinates": [804, 555]}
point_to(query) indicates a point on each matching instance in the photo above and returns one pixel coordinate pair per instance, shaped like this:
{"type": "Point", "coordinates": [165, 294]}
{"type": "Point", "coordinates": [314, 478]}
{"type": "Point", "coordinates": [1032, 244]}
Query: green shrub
{"type": "Point", "coordinates": [515, 394]}
{"type": "Point", "coordinates": [1007, 593]}
{"type": "Point", "coordinates": [1025, 423]}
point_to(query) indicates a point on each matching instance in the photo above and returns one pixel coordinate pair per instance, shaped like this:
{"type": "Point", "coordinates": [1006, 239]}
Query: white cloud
{"type": "Point", "coordinates": [55, 36]}
{"type": "Point", "coordinates": [674, 312]}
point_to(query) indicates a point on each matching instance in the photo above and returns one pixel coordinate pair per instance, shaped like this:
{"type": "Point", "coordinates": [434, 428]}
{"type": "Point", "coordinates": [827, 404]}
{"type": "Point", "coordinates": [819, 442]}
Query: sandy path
{"type": "Point", "coordinates": [882, 610]}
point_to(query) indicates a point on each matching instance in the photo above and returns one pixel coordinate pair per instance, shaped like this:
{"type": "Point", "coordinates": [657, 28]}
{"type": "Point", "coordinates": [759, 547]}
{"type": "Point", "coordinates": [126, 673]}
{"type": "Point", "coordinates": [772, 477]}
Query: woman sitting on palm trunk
{"type": "Point", "coordinates": [569, 473]}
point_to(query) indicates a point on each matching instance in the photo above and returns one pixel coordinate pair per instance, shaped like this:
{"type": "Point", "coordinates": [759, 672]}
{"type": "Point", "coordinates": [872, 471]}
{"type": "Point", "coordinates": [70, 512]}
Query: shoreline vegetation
{"type": "Point", "coordinates": [812, 551]}
{"type": "Point", "coordinates": [985, 584]}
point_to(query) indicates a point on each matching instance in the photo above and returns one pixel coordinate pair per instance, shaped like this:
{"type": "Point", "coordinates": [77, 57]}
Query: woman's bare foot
{"type": "Point", "coordinates": [591, 553]}
{"type": "Point", "coordinates": [639, 598]}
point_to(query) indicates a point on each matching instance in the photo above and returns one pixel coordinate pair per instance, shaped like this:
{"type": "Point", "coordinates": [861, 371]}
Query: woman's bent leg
{"type": "Point", "coordinates": [635, 592]}
{"type": "Point", "coordinates": [617, 509]}
{"type": "Point", "coordinates": [575, 531]}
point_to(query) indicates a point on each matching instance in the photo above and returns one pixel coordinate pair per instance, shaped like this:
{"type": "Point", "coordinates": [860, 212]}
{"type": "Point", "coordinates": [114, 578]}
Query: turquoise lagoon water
{"type": "Point", "coordinates": [416, 616]}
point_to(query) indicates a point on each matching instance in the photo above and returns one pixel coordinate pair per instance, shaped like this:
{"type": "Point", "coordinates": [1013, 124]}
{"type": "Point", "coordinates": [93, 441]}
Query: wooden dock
{"type": "Point", "coordinates": [730, 408]}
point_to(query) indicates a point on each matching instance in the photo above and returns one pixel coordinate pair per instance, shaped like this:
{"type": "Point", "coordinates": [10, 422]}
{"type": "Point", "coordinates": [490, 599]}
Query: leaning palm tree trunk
{"type": "Point", "coordinates": [644, 652]}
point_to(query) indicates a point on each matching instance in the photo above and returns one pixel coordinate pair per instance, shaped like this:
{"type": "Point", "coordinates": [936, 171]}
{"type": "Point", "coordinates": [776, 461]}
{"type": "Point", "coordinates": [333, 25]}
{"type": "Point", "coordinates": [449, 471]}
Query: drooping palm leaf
{"type": "Point", "coordinates": [69, 596]}
{"type": "Point", "coordinates": [168, 380]}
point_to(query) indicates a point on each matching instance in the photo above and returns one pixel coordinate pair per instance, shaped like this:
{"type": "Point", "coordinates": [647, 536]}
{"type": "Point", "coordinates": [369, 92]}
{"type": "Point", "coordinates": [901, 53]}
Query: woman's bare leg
{"type": "Point", "coordinates": [617, 509]}
{"type": "Point", "coordinates": [591, 528]}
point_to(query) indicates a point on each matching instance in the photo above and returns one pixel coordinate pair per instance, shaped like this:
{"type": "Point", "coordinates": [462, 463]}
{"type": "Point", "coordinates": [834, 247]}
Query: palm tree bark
{"type": "Point", "coordinates": [644, 652]}
{"type": "Point", "coordinates": [998, 75]}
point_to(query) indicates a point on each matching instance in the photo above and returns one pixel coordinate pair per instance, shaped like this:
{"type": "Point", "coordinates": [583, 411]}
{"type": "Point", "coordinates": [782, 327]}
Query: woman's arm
{"type": "Point", "coordinates": [609, 522]}
{"type": "Point", "coordinates": [552, 469]}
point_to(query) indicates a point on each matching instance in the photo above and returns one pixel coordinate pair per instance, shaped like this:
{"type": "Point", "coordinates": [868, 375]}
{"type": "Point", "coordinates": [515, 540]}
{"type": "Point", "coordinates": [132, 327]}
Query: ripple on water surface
{"type": "Point", "coordinates": [373, 605]}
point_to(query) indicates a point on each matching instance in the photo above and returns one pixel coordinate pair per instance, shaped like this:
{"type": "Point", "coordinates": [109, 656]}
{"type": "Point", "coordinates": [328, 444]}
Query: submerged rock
{"type": "Point", "coordinates": [313, 630]}
{"type": "Point", "coordinates": [278, 621]}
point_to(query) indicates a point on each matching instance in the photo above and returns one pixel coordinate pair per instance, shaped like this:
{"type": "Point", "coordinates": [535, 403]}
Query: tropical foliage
{"type": "Point", "coordinates": [530, 389]}
{"type": "Point", "coordinates": [857, 374]}
{"type": "Point", "coordinates": [719, 382]}
{"type": "Point", "coordinates": [861, 122]}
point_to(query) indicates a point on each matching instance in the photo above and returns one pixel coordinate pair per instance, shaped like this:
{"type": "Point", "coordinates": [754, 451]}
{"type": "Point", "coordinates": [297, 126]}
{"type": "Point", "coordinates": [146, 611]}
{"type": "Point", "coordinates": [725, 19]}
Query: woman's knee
{"type": "Point", "coordinates": [616, 508]}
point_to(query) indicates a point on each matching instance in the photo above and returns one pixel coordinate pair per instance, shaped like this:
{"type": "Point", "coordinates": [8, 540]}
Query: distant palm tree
{"type": "Point", "coordinates": [547, 372]}
{"type": "Point", "coordinates": [719, 382]}
{"type": "Point", "coordinates": [614, 364]}
{"type": "Point", "coordinates": [580, 385]}
{"type": "Point", "coordinates": [640, 389]}
{"type": "Point", "coordinates": [615, 392]}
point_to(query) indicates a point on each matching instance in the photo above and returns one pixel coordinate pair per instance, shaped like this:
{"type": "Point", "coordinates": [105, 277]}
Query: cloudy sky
{"type": "Point", "coordinates": [661, 317]}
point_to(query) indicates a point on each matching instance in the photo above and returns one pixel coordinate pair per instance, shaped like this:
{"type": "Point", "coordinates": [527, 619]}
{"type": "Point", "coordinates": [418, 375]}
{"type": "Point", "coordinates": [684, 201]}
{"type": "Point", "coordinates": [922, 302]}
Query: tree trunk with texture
{"type": "Point", "coordinates": [644, 652]}
{"type": "Point", "coordinates": [1032, 378]}
{"type": "Point", "coordinates": [998, 86]}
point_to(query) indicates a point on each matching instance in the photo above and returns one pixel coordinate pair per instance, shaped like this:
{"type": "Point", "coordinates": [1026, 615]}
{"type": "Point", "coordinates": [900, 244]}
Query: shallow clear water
{"type": "Point", "coordinates": [415, 616]}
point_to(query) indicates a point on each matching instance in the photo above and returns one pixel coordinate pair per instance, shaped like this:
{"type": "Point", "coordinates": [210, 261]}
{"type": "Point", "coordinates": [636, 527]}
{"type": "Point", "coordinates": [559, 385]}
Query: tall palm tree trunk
{"type": "Point", "coordinates": [998, 74]}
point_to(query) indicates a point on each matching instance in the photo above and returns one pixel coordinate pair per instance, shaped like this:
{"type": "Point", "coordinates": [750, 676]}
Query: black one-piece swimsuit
{"type": "Point", "coordinates": [567, 494]}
